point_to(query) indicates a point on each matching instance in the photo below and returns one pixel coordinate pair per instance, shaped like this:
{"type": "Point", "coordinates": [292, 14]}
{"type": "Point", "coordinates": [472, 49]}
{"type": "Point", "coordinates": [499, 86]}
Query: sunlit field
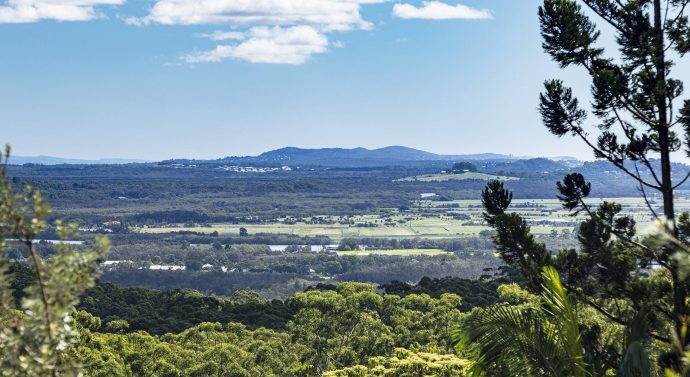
{"type": "Point", "coordinates": [427, 219]}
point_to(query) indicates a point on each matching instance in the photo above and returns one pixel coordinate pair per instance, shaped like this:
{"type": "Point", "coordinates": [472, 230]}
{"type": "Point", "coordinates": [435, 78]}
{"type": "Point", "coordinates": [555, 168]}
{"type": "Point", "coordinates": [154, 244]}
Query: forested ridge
{"type": "Point", "coordinates": [328, 330]}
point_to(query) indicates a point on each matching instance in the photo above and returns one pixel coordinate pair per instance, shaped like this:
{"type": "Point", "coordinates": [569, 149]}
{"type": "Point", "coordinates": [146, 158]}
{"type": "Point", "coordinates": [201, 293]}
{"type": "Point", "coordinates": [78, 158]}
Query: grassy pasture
{"type": "Point", "coordinates": [426, 219]}
{"type": "Point", "coordinates": [425, 228]}
{"type": "Point", "coordinates": [455, 177]}
{"type": "Point", "coordinates": [400, 252]}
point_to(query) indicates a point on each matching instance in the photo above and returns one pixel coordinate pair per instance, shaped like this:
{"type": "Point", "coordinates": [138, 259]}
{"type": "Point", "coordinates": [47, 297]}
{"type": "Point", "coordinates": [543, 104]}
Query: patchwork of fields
{"type": "Point", "coordinates": [426, 219]}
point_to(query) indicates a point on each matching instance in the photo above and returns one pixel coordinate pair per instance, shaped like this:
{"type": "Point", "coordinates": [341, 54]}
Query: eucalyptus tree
{"type": "Point", "coordinates": [35, 341]}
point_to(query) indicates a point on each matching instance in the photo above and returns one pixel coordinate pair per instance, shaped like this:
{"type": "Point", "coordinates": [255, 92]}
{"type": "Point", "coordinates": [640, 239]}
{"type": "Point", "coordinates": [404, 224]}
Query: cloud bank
{"type": "Point", "coordinates": [257, 31]}
{"type": "Point", "coordinates": [328, 15]}
{"type": "Point", "coordinates": [275, 31]}
{"type": "Point", "coordinates": [276, 45]}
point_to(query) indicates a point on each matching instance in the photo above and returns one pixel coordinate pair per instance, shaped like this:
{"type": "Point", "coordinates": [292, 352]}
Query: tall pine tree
{"type": "Point", "coordinates": [636, 122]}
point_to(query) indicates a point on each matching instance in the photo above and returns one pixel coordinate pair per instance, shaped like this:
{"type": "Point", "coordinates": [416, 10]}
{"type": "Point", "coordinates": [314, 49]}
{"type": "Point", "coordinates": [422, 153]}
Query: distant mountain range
{"type": "Point", "coordinates": [335, 157]}
{"type": "Point", "coordinates": [361, 157]}
{"type": "Point", "coordinates": [292, 155]}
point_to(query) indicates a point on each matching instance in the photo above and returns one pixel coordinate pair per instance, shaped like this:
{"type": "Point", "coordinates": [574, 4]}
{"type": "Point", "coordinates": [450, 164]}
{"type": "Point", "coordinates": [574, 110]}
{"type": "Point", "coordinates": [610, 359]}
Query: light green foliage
{"type": "Point", "coordinates": [333, 329]}
{"type": "Point", "coordinates": [353, 323]}
{"type": "Point", "coordinates": [421, 322]}
{"type": "Point", "coordinates": [247, 297]}
{"type": "Point", "coordinates": [117, 326]}
{"type": "Point", "coordinates": [340, 327]}
{"type": "Point", "coordinates": [33, 341]}
{"type": "Point", "coordinates": [406, 363]}
{"type": "Point", "coordinates": [209, 349]}
{"type": "Point", "coordinates": [513, 294]}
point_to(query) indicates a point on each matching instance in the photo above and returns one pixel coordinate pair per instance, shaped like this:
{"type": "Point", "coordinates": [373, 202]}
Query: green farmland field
{"type": "Point", "coordinates": [425, 219]}
{"type": "Point", "coordinates": [455, 177]}
{"type": "Point", "coordinates": [424, 228]}
{"type": "Point", "coordinates": [401, 252]}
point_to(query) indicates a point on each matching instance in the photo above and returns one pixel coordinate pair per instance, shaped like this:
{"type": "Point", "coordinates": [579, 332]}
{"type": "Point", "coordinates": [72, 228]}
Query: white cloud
{"type": "Point", "coordinates": [24, 11]}
{"type": "Point", "coordinates": [224, 35]}
{"type": "Point", "coordinates": [270, 31]}
{"type": "Point", "coordinates": [436, 10]}
{"type": "Point", "coordinates": [279, 31]}
{"type": "Point", "coordinates": [276, 45]}
{"type": "Point", "coordinates": [324, 14]}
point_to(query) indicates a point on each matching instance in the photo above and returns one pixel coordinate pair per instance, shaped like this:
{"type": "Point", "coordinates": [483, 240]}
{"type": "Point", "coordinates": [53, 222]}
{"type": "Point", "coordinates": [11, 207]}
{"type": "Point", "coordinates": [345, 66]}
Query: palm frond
{"type": "Point", "coordinates": [562, 308]}
{"type": "Point", "coordinates": [521, 341]}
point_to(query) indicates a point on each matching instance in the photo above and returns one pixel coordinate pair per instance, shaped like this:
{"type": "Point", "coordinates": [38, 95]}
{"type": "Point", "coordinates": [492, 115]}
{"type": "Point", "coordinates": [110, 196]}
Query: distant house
{"type": "Point", "coordinates": [115, 263]}
{"type": "Point", "coordinates": [167, 267]}
{"type": "Point", "coordinates": [425, 195]}
{"type": "Point", "coordinates": [278, 248]}
{"type": "Point", "coordinates": [322, 248]}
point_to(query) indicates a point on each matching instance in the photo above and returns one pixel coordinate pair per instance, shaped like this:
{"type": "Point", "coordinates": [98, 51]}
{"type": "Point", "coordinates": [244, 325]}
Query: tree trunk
{"type": "Point", "coordinates": [679, 291]}
{"type": "Point", "coordinates": [662, 126]}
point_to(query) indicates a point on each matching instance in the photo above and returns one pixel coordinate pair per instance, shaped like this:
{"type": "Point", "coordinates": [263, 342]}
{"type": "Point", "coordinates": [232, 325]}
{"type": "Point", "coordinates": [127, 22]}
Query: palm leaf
{"type": "Point", "coordinates": [518, 341]}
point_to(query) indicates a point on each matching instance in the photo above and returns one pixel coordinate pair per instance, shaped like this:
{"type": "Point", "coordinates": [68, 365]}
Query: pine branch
{"type": "Point", "coordinates": [617, 164]}
{"type": "Point", "coordinates": [603, 17]}
{"type": "Point", "coordinates": [643, 157]}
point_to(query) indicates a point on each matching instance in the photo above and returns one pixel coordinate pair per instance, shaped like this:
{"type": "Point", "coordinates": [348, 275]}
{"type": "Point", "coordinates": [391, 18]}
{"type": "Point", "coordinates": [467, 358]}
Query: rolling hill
{"type": "Point", "coordinates": [339, 157]}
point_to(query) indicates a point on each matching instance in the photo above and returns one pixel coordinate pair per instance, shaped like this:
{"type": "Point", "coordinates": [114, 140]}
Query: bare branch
{"type": "Point", "coordinates": [28, 242]}
{"type": "Point", "coordinates": [644, 195]}
{"type": "Point", "coordinates": [643, 158]}
{"type": "Point", "coordinates": [687, 176]}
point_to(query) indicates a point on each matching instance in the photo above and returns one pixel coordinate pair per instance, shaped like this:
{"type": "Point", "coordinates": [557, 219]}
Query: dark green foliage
{"type": "Point", "coordinates": [22, 277]}
{"type": "Point", "coordinates": [160, 312]}
{"type": "Point", "coordinates": [174, 216]}
{"type": "Point", "coordinates": [684, 119]}
{"type": "Point", "coordinates": [574, 189]}
{"type": "Point", "coordinates": [474, 293]}
{"type": "Point", "coordinates": [515, 244]}
{"type": "Point", "coordinates": [518, 247]}
{"type": "Point", "coordinates": [495, 199]}
{"type": "Point", "coordinates": [559, 109]}
{"type": "Point", "coordinates": [567, 33]}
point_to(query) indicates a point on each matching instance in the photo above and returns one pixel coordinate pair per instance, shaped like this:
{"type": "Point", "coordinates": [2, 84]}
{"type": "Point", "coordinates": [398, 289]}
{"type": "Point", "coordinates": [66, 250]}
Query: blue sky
{"type": "Point", "coordinates": [147, 79]}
